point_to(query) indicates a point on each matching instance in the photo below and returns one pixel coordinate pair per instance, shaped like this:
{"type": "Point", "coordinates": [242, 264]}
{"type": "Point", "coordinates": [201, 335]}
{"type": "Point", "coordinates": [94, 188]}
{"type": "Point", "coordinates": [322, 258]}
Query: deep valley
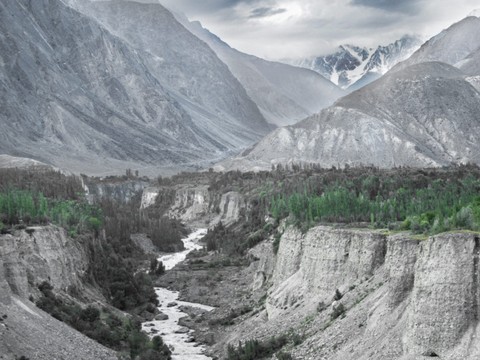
{"type": "Point", "coordinates": [166, 195]}
{"type": "Point", "coordinates": [282, 284]}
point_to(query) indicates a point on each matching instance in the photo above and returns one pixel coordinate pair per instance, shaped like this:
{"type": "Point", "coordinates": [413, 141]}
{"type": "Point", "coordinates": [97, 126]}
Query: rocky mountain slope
{"type": "Point", "coordinates": [423, 115]}
{"type": "Point", "coordinates": [353, 67]}
{"type": "Point", "coordinates": [451, 46]}
{"type": "Point", "coordinates": [186, 67]}
{"type": "Point", "coordinates": [284, 94]}
{"type": "Point", "coordinates": [77, 96]}
{"type": "Point", "coordinates": [471, 64]}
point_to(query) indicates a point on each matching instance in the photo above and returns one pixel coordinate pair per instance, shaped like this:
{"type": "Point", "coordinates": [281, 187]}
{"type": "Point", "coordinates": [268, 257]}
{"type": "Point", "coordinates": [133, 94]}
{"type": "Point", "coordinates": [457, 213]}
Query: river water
{"type": "Point", "coordinates": [175, 336]}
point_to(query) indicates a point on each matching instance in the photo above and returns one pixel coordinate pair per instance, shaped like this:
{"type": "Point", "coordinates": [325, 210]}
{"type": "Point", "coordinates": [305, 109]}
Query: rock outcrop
{"type": "Point", "coordinates": [5, 292]}
{"type": "Point", "coordinates": [445, 296]}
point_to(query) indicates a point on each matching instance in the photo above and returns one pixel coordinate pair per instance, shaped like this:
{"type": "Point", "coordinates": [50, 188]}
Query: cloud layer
{"type": "Point", "coordinates": [276, 29]}
{"type": "Point", "coordinates": [404, 6]}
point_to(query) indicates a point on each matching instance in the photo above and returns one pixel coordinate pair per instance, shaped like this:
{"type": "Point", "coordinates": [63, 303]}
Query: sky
{"type": "Point", "coordinates": [295, 29]}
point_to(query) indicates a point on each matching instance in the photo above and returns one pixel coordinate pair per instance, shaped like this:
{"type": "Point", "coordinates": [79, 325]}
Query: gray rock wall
{"type": "Point", "coordinates": [198, 206]}
{"type": "Point", "coordinates": [315, 265]}
{"type": "Point", "coordinates": [48, 254]}
{"type": "Point", "coordinates": [444, 300]}
{"type": "Point", "coordinates": [400, 263]}
{"type": "Point", "coordinates": [4, 287]}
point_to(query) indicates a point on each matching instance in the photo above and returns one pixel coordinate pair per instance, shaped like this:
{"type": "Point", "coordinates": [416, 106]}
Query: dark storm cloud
{"type": "Point", "coordinates": [225, 4]}
{"type": "Point", "coordinates": [204, 6]}
{"type": "Point", "coordinates": [402, 6]}
{"type": "Point", "coordinates": [265, 11]}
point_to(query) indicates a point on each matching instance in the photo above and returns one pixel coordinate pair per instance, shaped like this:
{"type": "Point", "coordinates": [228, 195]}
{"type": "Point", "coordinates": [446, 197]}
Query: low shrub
{"type": "Point", "coordinates": [338, 310]}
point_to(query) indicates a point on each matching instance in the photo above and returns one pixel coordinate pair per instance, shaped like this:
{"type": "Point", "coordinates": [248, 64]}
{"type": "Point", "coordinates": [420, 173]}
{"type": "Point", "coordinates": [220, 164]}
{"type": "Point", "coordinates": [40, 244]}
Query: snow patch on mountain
{"type": "Point", "coordinates": [353, 67]}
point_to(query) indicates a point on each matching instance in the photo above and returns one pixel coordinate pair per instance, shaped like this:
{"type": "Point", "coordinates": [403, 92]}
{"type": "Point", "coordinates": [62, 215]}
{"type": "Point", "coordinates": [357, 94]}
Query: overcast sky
{"type": "Point", "coordinates": [276, 29]}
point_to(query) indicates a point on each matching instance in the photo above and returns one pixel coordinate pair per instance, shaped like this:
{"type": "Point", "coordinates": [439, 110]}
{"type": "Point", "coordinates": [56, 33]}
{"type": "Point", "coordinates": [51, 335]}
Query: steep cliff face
{"type": "Point", "coordinates": [323, 260]}
{"type": "Point", "coordinates": [401, 298]}
{"type": "Point", "coordinates": [198, 205]}
{"type": "Point", "coordinates": [191, 203]}
{"type": "Point", "coordinates": [47, 254]}
{"type": "Point", "coordinates": [149, 195]}
{"type": "Point", "coordinates": [445, 298]}
{"type": "Point", "coordinates": [400, 259]}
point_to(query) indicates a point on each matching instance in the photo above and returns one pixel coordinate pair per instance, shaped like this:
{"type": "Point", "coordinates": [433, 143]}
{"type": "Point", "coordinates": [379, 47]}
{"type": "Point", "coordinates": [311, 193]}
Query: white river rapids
{"type": "Point", "coordinates": [175, 336]}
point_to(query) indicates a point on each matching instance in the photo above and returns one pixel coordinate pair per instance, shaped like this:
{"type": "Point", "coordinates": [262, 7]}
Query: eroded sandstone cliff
{"type": "Point", "coordinates": [401, 297]}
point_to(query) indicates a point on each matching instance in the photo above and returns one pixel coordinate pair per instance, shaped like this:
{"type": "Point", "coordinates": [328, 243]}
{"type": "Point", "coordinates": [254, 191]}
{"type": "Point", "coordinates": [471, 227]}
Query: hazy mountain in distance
{"type": "Point", "coordinates": [422, 115]}
{"type": "Point", "coordinates": [284, 94]}
{"type": "Point", "coordinates": [471, 64]}
{"type": "Point", "coordinates": [352, 67]}
{"type": "Point", "coordinates": [76, 96]}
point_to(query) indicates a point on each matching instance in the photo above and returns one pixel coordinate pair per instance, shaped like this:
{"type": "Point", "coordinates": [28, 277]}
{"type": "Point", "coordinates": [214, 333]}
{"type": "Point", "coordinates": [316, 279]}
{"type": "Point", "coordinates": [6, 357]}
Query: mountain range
{"type": "Point", "coordinates": [285, 94]}
{"type": "Point", "coordinates": [423, 112]}
{"type": "Point", "coordinates": [98, 87]}
{"type": "Point", "coordinates": [352, 67]}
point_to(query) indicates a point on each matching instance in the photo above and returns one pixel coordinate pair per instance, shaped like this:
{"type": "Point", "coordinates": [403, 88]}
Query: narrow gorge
{"type": "Point", "coordinates": [252, 277]}
{"type": "Point", "coordinates": [346, 292]}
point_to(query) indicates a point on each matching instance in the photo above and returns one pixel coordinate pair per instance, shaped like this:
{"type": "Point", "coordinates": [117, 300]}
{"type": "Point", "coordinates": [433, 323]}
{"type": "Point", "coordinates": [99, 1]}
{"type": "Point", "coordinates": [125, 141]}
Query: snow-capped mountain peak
{"type": "Point", "coordinates": [353, 66]}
